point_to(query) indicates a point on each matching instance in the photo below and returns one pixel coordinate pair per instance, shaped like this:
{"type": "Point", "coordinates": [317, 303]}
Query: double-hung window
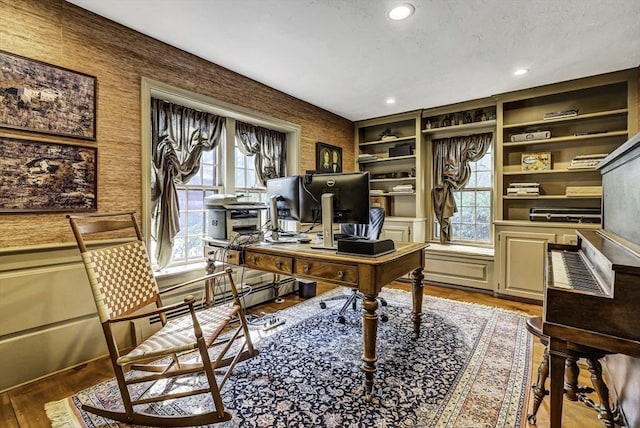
{"type": "Point", "coordinates": [472, 222]}
{"type": "Point", "coordinates": [187, 246]}
{"type": "Point", "coordinates": [248, 187]}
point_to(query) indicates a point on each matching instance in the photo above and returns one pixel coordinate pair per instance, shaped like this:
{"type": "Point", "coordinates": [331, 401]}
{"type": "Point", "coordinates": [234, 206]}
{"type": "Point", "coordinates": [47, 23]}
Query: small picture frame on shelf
{"type": "Point", "coordinates": [540, 161]}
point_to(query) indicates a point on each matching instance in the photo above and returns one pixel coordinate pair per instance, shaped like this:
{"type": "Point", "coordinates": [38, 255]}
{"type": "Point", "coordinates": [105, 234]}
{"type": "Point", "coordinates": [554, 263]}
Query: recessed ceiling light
{"type": "Point", "coordinates": [520, 72]}
{"type": "Point", "coordinates": [401, 11]}
{"type": "Point", "coordinates": [390, 101]}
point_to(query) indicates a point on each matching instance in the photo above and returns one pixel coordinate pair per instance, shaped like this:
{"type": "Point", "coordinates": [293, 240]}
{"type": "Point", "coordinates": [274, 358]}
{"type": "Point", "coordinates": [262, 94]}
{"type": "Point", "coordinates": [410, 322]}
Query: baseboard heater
{"type": "Point", "coordinates": [144, 327]}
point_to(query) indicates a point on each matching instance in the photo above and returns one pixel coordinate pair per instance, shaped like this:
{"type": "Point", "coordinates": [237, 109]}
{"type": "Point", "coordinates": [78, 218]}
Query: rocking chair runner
{"type": "Point", "coordinates": [122, 282]}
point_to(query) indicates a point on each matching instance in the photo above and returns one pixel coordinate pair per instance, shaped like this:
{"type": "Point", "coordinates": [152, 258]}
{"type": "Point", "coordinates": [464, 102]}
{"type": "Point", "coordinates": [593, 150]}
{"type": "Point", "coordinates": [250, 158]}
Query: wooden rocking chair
{"type": "Point", "coordinates": [123, 284]}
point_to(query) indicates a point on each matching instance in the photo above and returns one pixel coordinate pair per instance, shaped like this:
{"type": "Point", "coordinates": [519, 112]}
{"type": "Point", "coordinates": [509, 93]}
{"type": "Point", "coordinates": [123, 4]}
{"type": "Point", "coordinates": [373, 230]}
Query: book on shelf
{"type": "Point", "coordinates": [403, 188]}
{"type": "Point", "coordinates": [523, 189]}
{"type": "Point", "coordinates": [540, 161]}
{"type": "Point", "coordinates": [366, 157]}
{"type": "Point", "coordinates": [524, 184]}
{"type": "Point", "coordinates": [519, 193]}
{"type": "Point", "coordinates": [586, 161]}
{"type": "Point", "coordinates": [560, 114]}
{"type": "Point", "coordinates": [592, 156]}
{"type": "Point", "coordinates": [374, 192]}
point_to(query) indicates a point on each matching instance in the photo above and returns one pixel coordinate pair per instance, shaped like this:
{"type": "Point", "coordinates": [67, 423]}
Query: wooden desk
{"type": "Point", "coordinates": [366, 274]}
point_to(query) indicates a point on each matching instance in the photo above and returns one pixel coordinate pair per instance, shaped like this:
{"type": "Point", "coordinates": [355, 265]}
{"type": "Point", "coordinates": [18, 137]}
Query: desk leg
{"type": "Point", "coordinates": [557, 354]}
{"type": "Point", "coordinates": [416, 289]}
{"type": "Point", "coordinates": [369, 334]}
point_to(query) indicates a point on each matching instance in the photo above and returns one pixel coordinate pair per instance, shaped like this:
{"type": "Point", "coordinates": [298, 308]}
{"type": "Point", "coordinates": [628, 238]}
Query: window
{"type": "Point", "coordinates": [472, 222]}
{"type": "Point", "coordinates": [187, 247]}
{"type": "Point", "coordinates": [216, 174]}
{"type": "Point", "coordinates": [248, 189]}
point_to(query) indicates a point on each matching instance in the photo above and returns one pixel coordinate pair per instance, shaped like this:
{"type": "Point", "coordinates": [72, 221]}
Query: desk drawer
{"type": "Point", "coordinates": [233, 257]}
{"type": "Point", "coordinates": [347, 274]}
{"type": "Point", "coordinates": [277, 264]}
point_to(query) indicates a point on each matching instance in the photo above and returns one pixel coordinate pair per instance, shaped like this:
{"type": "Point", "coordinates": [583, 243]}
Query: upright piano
{"type": "Point", "coordinates": [592, 295]}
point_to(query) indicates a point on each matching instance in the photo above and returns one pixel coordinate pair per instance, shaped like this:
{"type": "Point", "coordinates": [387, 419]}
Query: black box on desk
{"type": "Point", "coordinates": [306, 288]}
{"type": "Point", "coordinates": [403, 150]}
{"type": "Point", "coordinates": [365, 247]}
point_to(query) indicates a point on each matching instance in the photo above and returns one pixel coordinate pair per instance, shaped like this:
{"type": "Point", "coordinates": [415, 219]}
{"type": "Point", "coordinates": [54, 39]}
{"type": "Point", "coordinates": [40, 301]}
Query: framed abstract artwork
{"type": "Point", "coordinates": [41, 176]}
{"type": "Point", "coordinates": [328, 158]}
{"type": "Point", "coordinates": [38, 97]}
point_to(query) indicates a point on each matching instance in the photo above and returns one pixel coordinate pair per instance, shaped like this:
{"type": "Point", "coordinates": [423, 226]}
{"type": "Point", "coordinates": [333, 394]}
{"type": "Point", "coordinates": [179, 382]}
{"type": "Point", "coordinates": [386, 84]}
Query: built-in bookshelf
{"type": "Point", "coordinates": [390, 149]}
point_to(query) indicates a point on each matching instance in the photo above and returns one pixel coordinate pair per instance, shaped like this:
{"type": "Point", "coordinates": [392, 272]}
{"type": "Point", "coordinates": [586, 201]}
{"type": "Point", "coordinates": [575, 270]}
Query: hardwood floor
{"type": "Point", "coordinates": [24, 406]}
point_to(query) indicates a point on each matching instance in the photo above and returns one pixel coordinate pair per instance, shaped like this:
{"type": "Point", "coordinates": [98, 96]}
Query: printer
{"type": "Point", "coordinates": [225, 216]}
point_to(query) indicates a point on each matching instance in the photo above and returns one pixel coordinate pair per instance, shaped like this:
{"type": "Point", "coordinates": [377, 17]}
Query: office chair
{"type": "Point", "coordinates": [124, 289]}
{"type": "Point", "coordinates": [369, 231]}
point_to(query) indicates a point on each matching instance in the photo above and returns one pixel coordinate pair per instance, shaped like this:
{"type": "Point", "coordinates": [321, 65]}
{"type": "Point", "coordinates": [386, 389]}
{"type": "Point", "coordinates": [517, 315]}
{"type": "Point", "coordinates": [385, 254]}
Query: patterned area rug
{"type": "Point", "coordinates": [469, 368]}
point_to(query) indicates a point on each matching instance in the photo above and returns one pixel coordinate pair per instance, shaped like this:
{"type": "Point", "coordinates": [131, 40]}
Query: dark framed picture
{"type": "Point", "coordinates": [328, 158]}
{"type": "Point", "coordinates": [39, 97]}
{"type": "Point", "coordinates": [45, 177]}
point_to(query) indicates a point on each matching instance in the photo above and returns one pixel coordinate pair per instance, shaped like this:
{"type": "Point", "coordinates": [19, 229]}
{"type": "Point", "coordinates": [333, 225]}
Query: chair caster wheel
{"type": "Point", "coordinates": [384, 318]}
{"type": "Point", "coordinates": [341, 320]}
{"type": "Point", "coordinates": [323, 305]}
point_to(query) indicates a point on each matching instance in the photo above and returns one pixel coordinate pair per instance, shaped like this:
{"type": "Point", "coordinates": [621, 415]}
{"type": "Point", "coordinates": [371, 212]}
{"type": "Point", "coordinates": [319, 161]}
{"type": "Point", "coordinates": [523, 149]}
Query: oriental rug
{"type": "Point", "coordinates": [469, 368]}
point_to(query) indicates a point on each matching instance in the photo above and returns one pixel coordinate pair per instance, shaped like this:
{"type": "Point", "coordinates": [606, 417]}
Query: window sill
{"type": "Point", "coordinates": [466, 251]}
{"type": "Point", "coordinates": [181, 271]}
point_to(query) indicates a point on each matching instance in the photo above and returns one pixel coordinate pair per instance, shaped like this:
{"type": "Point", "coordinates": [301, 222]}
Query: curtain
{"type": "Point", "coordinates": [179, 135]}
{"type": "Point", "coordinates": [451, 157]}
{"type": "Point", "coordinates": [267, 145]}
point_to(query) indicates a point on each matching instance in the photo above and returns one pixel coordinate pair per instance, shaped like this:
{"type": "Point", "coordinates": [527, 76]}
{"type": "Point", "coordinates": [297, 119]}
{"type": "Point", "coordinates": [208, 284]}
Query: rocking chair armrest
{"type": "Point", "coordinates": [210, 276]}
{"type": "Point", "coordinates": [188, 301]}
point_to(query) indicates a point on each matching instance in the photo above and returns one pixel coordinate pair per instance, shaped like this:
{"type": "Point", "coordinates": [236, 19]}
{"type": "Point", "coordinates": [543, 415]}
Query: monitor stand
{"type": "Point", "coordinates": [327, 223]}
{"type": "Point", "coordinates": [275, 237]}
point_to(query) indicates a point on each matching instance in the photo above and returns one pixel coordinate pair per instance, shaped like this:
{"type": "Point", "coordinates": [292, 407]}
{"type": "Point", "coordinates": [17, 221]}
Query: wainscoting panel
{"type": "Point", "coordinates": [34, 354]}
{"type": "Point", "coordinates": [41, 296]}
{"type": "Point", "coordinates": [457, 266]}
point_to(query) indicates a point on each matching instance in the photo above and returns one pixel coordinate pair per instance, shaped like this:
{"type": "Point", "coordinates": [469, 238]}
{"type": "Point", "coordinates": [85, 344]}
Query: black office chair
{"type": "Point", "coordinates": [369, 231]}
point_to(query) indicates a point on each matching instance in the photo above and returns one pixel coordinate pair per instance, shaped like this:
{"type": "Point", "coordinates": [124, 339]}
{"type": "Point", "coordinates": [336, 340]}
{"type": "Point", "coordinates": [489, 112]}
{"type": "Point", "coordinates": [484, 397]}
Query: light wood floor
{"type": "Point", "coordinates": [24, 406]}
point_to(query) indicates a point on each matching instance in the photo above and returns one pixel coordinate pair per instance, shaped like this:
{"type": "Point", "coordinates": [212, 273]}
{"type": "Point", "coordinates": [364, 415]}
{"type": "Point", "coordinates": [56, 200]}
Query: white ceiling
{"type": "Point", "coordinates": [347, 57]}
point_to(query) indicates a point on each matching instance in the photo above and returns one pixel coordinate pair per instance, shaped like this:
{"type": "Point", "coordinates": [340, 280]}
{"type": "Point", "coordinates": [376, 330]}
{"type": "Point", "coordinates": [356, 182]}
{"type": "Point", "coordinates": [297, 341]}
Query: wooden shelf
{"type": "Point", "coordinates": [460, 129]}
{"type": "Point", "coordinates": [387, 141]}
{"type": "Point", "coordinates": [383, 180]}
{"type": "Point", "coordinates": [545, 224]}
{"type": "Point", "coordinates": [394, 194]}
{"type": "Point", "coordinates": [388, 159]}
{"type": "Point", "coordinates": [550, 197]}
{"type": "Point", "coordinates": [566, 139]}
{"type": "Point", "coordinates": [596, 115]}
{"type": "Point", "coordinates": [551, 171]}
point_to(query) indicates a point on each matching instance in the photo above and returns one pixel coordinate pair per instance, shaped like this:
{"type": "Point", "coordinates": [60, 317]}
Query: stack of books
{"type": "Point", "coordinates": [523, 189]}
{"type": "Point", "coordinates": [374, 192]}
{"type": "Point", "coordinates": [560, 114]}
{"type": "Point", "coordinates": [366, 157]}
{"type": "Point", "coordinates": [586, 161]}
{"type": "Point", "coordinates": [403, 188]}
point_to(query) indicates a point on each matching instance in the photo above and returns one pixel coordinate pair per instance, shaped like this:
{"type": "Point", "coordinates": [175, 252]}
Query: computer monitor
{"type": "Point", "coordinates": [334, 198]}
{"type": "Point", "coordinates": [283, 200]}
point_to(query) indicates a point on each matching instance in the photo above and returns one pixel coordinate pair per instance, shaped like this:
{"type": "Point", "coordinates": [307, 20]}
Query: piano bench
{"type": "Point", "coordinates": [572, 390]}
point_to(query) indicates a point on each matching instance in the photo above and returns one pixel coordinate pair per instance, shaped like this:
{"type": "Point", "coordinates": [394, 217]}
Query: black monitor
{"type": "Point", "coordinates": [286, 191]}
{"type": "Point", "coordinates": [349, 201]}
{"type": "Point", "coordinates": [284, 204]}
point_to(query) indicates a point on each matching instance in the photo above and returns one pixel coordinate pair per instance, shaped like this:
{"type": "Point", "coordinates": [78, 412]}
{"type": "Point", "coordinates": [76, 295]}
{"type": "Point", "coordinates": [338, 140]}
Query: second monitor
{"type": "Point", "coordinates": [348, 201]}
